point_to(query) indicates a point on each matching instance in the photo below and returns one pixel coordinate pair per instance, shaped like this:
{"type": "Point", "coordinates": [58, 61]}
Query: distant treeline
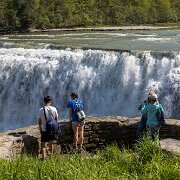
{"type": "Point", "coordinates": [41, 14]}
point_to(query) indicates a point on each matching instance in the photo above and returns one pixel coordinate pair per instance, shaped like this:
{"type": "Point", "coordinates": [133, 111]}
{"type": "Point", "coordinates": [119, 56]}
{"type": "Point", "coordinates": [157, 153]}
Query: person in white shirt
{"type": "Point", "coordinates": [45, 114]}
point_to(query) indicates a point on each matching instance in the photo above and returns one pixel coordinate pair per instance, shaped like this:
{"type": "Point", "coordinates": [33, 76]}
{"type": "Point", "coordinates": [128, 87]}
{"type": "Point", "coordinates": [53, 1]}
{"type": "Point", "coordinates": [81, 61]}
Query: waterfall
{"type": "Point", "coordinates": [108, 82]}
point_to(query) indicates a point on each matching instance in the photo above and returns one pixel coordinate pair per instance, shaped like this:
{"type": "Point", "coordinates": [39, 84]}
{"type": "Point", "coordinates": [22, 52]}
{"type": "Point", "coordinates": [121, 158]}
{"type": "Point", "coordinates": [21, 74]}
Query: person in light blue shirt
{"type": "Point", "coordinates": [152, 121]}
{"type": "Point", "coordinates": [78, 127]}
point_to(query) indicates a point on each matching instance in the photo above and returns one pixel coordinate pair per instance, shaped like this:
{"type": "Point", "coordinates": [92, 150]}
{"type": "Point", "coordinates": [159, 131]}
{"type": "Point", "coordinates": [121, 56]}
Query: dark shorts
{"type": "Point", "coordinates": [46, 137]}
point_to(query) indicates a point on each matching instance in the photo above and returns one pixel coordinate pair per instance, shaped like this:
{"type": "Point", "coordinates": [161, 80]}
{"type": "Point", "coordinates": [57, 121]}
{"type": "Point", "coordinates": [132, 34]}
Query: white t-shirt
{"type": "Point", "coordinates": [51, 113]}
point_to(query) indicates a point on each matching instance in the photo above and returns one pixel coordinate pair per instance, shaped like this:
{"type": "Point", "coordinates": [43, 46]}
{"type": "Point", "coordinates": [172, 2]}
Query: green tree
{"type": "Point", "coordinates": [27, 14]}
{"type": "Point", "coordinates": [3, 17]}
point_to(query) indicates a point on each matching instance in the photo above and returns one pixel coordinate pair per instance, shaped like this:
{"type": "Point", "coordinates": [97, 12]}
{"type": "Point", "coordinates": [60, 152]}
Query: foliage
{"type": "Point", "coordinates": [27, 14]}
{"type": "Point", "coordinates": [146, 161]}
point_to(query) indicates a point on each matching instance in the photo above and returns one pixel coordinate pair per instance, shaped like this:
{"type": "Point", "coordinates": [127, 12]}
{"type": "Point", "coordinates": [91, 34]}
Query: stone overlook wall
{"type": "Point", "coordinates": [99, 132]}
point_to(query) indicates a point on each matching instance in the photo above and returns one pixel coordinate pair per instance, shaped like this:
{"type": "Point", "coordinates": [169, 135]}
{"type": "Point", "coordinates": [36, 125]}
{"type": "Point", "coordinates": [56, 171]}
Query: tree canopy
{"type": "Point", "coordinates": [41, 14]}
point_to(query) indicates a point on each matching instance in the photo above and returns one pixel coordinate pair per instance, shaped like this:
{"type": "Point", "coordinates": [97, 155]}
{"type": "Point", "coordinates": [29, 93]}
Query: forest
{"type": "Point", "coordinates": [23, 15]}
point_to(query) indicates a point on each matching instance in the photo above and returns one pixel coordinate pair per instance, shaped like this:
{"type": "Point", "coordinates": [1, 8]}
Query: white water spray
{"type": "Point", "coordinates": [109, 83]}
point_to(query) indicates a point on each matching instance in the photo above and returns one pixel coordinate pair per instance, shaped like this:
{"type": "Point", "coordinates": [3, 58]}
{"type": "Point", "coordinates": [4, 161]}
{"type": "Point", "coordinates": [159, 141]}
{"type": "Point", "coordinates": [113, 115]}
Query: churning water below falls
{"type": "Point", "coordinates": [108, 82]}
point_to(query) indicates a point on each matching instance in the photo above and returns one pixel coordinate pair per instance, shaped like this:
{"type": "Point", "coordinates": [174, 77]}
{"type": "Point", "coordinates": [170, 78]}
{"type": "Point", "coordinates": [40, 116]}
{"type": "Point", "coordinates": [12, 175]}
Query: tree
{"type": "Point", "coordinates": [27, 14]}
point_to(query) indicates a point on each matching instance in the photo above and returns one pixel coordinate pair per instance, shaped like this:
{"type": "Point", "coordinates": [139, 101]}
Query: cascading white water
{"type": "Point", "coordinates": [109, 83]}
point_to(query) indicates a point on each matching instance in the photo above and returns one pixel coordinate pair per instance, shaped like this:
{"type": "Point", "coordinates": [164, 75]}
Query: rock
{"type": "Point", "coordinates": [171, 145]}
{"type": "Point", "coordinates": [10, 146]}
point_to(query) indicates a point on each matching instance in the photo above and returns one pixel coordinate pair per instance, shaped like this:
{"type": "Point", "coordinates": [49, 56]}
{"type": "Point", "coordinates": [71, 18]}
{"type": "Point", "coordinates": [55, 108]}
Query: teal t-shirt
{"type": "Point", "coordinates": [151, 110]}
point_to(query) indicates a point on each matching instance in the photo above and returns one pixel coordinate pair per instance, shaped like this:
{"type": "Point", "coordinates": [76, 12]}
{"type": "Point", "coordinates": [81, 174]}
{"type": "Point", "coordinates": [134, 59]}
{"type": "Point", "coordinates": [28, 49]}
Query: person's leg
{"type": "Point", "coordinates": [52, 146]}
{"type": "Point", "coordinates": [149, 133]}
{"type": "Point", "coordinates": [43, 149]}
{"type": "Point", "coordinates": [75, 130]}
{"type": "Point", "coordinates": [43, 144]}
{"type": "Point", "coordinates": [141, 126]}
{"type": "Point", "coordinates": [155, 132]}
{"type": "Point", "coordinates": [81, 135]}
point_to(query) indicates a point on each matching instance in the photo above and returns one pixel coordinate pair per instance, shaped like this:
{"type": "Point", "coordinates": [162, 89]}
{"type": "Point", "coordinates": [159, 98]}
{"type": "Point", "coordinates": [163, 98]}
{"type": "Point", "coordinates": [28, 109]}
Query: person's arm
{"type": "Point", "coordinates": [56, 115]}
{"type": "Point", "coordinates": [141, 105]}
{"type": "Point", "coordinates": [160, 106]}
{"type": "Point", "coordinates": [40, 123]}
{"type": "Point", "coordinates": [70, 114]}
{"type": "Point", "coordinates": [39, 119]}
{"type": "Point", "coordinates": [144, 109]}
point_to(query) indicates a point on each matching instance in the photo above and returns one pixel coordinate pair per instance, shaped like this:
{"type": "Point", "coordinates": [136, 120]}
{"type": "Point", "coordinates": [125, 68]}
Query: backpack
{"type": "Point", "coordinates": [160, 117]}
{"type": "Point", "coordinates": [52, 126]}
{"type": "Point", "coordinates": [80, 115]}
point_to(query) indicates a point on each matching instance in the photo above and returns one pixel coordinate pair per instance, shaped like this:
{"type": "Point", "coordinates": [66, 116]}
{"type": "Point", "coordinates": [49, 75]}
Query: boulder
{"type": "Point", "coordinates": [171, 145]}
{"type": "Point", "coordinates": [10, 146]}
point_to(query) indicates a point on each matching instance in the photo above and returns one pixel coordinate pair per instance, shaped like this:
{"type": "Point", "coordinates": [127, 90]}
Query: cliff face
{"type": "Point", "coordinates": [99, 132]}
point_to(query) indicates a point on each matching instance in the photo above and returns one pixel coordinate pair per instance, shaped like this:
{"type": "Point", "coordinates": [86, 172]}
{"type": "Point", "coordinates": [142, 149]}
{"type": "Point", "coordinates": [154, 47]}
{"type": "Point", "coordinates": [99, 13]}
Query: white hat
{"type": "Point", "coordinates": [153, 96]}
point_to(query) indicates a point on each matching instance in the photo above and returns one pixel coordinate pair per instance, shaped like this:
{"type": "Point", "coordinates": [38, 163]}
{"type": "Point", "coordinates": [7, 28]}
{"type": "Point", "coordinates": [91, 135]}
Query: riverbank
{"type": "Point", "coordinates": [108, 28]}
{"type": "Point", "coordinates": [117, 28]}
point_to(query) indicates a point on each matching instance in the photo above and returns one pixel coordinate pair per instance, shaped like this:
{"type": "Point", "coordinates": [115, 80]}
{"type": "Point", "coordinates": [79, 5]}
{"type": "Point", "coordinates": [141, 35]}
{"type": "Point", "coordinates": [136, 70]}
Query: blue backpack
{"type": "Point", "coordinates": [160, 117]}
{"type": "Point", "coordinates": [52, 126]}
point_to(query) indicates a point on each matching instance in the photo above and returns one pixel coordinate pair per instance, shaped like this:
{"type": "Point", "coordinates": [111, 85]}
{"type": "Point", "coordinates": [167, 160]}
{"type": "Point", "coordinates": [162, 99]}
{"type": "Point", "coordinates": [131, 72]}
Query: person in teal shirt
{"type": "Point", "coordinates": [151, 109]}
{"type": "Point", "coordinates": [142, 124]}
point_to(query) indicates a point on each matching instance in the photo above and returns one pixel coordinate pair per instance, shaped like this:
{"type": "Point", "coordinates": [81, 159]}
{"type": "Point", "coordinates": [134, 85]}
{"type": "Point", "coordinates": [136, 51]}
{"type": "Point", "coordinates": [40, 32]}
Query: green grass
{"type": "Point", "coordinates": [145, 161]}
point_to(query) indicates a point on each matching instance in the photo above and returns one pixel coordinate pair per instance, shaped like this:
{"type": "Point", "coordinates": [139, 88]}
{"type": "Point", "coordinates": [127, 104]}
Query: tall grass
{"type": "Point", "coordinates": [145, 161]}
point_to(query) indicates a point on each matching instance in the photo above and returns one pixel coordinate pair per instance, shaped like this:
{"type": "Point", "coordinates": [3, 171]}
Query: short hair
{"type": "Point", "coordinates": [47, 99]}
{"type": "Point", "coordinates": [74, 95]}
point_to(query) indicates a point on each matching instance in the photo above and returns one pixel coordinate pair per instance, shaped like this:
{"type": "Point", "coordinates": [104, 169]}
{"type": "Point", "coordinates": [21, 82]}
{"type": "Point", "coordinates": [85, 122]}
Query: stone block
{"type": "Point", "coordinates": [91, 145]}
{"type": "Point", "coordinates": [102, 140]}
{"type": "Point", "coordinates": [87, 128]}
{"type": "Point", "coordinates": [94, 136]}
{"type": "Point", "coordinates": [96, 127]}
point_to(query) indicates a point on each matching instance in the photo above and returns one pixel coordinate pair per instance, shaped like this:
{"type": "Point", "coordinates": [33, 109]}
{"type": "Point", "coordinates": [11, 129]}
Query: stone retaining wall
{"type": "Point", "coordinates": [99, 132]}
